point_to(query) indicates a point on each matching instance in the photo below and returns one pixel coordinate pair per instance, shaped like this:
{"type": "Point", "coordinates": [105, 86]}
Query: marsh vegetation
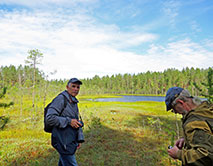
{"type": "Point", "coordinates": [116, 133]}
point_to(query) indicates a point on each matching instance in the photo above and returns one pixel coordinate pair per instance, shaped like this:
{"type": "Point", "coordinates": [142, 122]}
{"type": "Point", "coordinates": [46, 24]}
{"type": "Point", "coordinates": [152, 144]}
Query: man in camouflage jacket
{"type": "Point", "coordinates": [196, 148]}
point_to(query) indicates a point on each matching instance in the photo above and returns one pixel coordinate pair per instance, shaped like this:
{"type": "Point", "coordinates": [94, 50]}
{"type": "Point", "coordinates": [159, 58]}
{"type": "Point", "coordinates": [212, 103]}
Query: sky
{"type": "Point", "coordinates": [84, 38]}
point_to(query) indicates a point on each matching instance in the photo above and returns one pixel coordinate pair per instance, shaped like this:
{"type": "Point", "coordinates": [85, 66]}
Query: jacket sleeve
{"type": "Point", "coordinates": [199, 144]}
{"type": "Point", "coordinates": [53, 117]}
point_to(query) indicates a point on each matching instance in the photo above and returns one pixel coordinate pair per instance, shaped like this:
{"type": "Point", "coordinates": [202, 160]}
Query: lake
{"type": "Point", "coordinates": [128, 98]}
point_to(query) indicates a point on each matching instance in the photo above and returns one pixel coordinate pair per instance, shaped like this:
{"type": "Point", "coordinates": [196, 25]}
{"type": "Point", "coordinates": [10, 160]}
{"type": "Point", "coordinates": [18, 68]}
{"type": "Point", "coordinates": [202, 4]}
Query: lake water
{"type": "Point", "coordinates": [133, 98]}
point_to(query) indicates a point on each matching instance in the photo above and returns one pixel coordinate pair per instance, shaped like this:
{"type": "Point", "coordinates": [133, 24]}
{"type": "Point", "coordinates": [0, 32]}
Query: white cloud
{"type": "Point", "coordinates": [107, 60]}
{"type": "Point", "coordinates": [45, 3]}
{"type": "Point", "coordinates": [72, 45]}
{"type": "Point", "coordinates": [171, 10]}
{"type": "Point", "coordinates": [194, 26]}
{"type": "Point", "coordinates": [208, 43]}
{"type": "Point", "coordinates": [181, 54]}
{"type": "Point", "coordinates": [77, 45]}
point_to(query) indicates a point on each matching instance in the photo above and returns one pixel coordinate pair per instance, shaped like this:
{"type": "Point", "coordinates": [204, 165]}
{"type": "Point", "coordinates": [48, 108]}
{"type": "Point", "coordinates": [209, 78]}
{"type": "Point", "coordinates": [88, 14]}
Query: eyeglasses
{"type": "Point", "coordinates": [175, 97]}
{"type": "Point", "coordinates": [173, 109]}
{"type": "Point", "coordinates": [172, 100]}
{"type": "Point", "coordinates": [75, 86]}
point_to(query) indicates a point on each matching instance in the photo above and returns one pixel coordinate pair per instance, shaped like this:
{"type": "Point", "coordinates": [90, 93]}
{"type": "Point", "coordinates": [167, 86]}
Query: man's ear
{"type": "Point", "coordinates": [179, 101]}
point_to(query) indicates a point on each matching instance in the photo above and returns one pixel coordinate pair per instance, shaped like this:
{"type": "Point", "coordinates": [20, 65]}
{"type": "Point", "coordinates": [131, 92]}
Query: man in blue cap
{"type": "Point", "coordinates": [63, 116]}
{"type": "Point", "coordinates": [196, 148]}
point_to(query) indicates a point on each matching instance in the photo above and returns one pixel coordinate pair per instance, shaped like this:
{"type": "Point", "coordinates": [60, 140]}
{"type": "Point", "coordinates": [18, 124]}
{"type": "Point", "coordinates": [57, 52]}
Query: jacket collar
{"type": "Point", "coordinates": [201, 107]}
{"type": "Point", "coordinates": [69, 97]}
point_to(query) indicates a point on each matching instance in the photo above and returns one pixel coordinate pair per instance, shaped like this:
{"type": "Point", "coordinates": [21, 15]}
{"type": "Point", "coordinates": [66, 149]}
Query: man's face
{"type": "Point", "coordinates": [73, 89]}
{"type": "Point", "coordinates": [180, 108]}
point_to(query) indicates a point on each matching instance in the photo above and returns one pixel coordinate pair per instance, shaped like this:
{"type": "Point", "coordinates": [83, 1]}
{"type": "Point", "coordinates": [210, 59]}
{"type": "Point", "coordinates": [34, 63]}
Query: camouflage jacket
{"type": "Point", "coordinates": [198, 136]}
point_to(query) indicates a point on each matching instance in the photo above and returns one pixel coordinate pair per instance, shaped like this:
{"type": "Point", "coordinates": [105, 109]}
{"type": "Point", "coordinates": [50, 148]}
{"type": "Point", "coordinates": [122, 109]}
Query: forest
{"type": "Point", "coordinates": [155, 83]}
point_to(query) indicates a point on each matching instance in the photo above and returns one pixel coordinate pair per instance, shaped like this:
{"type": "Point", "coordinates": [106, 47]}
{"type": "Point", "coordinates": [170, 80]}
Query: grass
{"type": "Point", "coordinates": [116, 134]}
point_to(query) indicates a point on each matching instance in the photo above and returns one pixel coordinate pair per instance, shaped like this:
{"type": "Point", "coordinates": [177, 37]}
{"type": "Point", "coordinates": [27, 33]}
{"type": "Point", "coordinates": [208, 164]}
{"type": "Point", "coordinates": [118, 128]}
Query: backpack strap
{"type": "Point", "coordinates": [65, 104]}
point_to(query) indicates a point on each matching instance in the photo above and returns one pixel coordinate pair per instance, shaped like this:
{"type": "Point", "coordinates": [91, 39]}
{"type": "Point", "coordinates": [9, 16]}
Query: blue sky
{"type": "Point", "coordinates": [84, 38]}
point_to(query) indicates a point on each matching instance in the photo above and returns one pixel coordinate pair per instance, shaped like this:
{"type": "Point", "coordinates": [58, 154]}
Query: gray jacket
{"type": "Point", "coordinates": [64, 137]}
{"type": "Point", "coordinates": [70, 112]}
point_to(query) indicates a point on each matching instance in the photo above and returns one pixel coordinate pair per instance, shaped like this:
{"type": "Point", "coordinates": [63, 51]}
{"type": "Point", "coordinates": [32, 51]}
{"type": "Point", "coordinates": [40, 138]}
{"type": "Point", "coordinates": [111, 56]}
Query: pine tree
{"type": "Point", "coordinates": [208, 86]}
{"type": "Point", "coordinates": [34, 58]}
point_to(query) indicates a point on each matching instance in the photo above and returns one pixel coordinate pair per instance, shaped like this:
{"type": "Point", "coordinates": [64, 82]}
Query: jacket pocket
{"type": "Point", "coordinates": [63, 140]}
{"type": "Point", "coordinates": [70, 141]}
{"type": "Point", "coordinates": [204, 140]}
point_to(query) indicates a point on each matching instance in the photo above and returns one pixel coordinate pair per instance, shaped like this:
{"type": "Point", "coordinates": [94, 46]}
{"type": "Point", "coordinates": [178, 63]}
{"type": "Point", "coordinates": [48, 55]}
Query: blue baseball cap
{"type": "Point", "coordinates": [171, 95]}
{"type": "Point", "coordinates": [74, 80]}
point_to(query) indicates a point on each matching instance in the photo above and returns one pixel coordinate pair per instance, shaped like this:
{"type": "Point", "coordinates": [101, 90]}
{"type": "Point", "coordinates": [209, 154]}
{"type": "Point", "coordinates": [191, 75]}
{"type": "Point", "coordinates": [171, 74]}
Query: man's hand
{"type": "Point", "coordinates": [79, 145]}
{"type": "Point", "coordinates": [75, 123]}
{"type": "Point", "coordinates": [173, 152]}
{"type": "Point", "coordinates": [179, 143]}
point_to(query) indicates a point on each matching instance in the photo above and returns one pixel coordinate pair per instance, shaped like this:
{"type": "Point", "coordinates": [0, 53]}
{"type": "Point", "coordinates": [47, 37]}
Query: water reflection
{"type": "Point", "coordinates": [126, 98]}
{"type": "Point", "coordinates": [133, 98]}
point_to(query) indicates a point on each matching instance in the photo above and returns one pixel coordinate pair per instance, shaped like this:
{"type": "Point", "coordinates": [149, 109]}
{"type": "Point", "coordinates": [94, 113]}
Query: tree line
{"type": "Point", "coordinates": [156, 83]}
{"type": "Point", "coordinates": [148, 82]}
{"type": "Point", "coordinates": [30, 79]}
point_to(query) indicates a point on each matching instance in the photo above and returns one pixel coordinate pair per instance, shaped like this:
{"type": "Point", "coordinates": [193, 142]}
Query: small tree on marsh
{"type": "Point", "coordinates": [34, 58]}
